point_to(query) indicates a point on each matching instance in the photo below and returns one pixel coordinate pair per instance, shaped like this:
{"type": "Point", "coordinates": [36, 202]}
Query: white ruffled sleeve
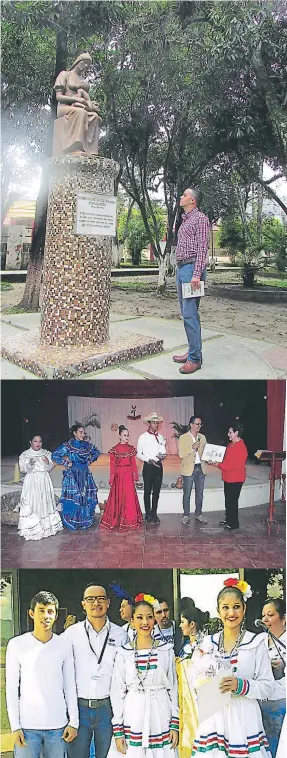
{"type": "Point", "coordinates": [261, 685]}
{"type": "Point", "coordinates": [24, 462]}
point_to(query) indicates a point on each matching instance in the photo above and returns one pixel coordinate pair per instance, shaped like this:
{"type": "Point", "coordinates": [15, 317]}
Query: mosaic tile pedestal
{"type": "Point", "coordinates": [49, 362]}
{"type": "Point", "coordinates": [75, 293]}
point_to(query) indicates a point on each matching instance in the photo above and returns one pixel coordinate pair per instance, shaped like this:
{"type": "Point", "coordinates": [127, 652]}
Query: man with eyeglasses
{"type": "Point", "coordinates": [193, 469]}
{"type": "Point", "coordinates": [94, 643]}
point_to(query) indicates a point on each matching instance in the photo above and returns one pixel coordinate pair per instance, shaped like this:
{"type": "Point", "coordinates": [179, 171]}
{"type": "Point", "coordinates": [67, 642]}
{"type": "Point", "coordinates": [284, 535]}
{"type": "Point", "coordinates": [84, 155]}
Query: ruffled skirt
{"type": "Point", "coordinates": [38, 515]}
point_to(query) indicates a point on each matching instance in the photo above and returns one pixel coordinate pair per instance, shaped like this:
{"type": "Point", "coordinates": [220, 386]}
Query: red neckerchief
{"type": "Point", "coordinates": [150, 431]}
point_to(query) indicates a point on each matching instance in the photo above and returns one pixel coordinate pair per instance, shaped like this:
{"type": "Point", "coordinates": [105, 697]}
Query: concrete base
{"type": "Point", "coordinates": [226, 356]}
{"type": "Point", "coordinates": [25, 350]}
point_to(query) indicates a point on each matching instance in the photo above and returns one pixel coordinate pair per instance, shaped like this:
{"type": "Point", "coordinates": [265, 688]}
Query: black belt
{"type": "Point", "coordinates": [185, 263]}
{"type": "Point", "coordinates": [93, 703]}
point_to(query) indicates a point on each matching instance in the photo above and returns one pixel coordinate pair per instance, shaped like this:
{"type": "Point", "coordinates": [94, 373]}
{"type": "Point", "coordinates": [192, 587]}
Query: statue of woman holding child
{"type": "Point", "coordinates": [78, 123]}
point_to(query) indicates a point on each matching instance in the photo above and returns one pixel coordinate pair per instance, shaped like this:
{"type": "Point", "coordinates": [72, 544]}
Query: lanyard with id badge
{"type": "Point", "coordinates": [98, 671]}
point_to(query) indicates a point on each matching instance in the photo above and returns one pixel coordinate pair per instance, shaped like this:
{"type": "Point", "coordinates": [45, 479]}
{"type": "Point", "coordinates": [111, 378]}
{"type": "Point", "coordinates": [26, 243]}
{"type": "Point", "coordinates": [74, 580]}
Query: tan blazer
{"type": "Point", "coordinates": [187, 454]}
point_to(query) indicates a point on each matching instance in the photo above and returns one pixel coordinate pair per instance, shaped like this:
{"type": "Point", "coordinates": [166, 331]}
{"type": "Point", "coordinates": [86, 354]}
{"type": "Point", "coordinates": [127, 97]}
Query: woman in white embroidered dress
{"type": "Point", "coordinates": [235, 729]}
{"type": "Point", "coordinates": [38, 515]}
{"type": "Point", "coordinates": [144, 691]}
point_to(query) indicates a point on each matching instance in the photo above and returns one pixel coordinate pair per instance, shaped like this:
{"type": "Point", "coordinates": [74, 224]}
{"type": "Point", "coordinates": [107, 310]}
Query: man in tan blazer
{"type": "Point", "coordinates": [193, 469]}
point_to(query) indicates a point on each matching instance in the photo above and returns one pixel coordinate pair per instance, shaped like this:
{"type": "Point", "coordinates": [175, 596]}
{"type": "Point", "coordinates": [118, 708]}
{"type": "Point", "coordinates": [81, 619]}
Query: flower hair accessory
{"type": "Point", "coordinates": [240, 585]}
{"type": "Point", "coordinates": [147, 599]}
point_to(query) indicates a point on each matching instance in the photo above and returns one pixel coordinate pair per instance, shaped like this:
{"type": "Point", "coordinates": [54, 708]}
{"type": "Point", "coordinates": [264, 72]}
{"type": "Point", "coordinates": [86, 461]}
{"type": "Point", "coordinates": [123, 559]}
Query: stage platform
{"type": "Point", "coordinates": [255, 491]}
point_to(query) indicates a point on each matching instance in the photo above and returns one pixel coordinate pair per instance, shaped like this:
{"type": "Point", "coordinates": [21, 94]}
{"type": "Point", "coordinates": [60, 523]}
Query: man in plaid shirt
{"type": "Point", "coordinates": [191, 258]}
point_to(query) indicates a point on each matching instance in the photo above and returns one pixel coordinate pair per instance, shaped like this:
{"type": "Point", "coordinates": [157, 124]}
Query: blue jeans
{"type": "Point", "coordinates": [94, 723]}
{"type": "Point", "coordinates": [48, 743]}
{"type": "Point", "coordinates": [198, 479]}
{"type": "Point", "coordinates": [189, 310]}
{"type": "Point", "coordinates": [273, 712]}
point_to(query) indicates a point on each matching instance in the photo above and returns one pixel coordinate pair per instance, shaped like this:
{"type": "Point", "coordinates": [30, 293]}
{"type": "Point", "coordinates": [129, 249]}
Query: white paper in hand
{"type": "Point", "coordinates": [213, 453]}
{"type": "Point", "coordinates": [209, 697]}
{"type": "Point", "coordinates": [187, 290]}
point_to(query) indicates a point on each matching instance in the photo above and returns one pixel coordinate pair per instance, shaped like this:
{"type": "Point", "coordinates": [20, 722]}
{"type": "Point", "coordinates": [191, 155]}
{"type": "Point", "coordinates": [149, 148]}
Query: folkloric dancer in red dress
{"type": "Point", "coordinates": [122, 510]}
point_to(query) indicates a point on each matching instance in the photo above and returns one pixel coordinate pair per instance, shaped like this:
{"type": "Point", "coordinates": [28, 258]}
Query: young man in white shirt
{"type": "Point", "coordinates": [151, 449]}
{"type": "Point", "coordinates": [94, 643]}
{"type": "Point", "coordinates": [40, 685]}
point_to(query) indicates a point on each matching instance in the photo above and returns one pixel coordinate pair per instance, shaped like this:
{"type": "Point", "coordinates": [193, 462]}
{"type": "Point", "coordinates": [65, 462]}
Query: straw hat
{"type": "Point", "coordinates": [153, 417]}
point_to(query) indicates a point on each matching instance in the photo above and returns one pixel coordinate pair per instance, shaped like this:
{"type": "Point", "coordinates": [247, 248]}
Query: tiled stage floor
{"type": "Point", "coordinates": [168, 545]}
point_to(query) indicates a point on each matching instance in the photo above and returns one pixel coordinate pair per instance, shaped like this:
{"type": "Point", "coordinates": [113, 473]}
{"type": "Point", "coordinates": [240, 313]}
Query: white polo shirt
{"type": "Point", "coordinates": [94, 680]}
{"type": "Point", "coordinates": [40, 683]}
{"type": "Point", "coordinates": [149, 446]}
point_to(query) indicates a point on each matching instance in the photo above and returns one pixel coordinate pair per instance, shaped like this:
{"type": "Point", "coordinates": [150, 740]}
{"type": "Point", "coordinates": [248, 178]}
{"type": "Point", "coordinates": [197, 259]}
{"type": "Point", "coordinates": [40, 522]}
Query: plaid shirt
{"type": "Point", "coordinates": [193, 240]}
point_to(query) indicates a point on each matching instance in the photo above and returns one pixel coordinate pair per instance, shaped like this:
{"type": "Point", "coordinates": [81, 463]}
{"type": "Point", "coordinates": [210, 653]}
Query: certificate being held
{"type": "Point", "coordinates": [214, 453]}
{"type": "Point", "coordinates": [209, 697]}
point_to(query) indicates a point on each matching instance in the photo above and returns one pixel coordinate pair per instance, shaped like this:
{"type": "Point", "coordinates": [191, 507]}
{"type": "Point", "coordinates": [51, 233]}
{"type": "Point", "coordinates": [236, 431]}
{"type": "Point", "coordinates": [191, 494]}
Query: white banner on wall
{"type": "Point", "coordinates": [102, 417]}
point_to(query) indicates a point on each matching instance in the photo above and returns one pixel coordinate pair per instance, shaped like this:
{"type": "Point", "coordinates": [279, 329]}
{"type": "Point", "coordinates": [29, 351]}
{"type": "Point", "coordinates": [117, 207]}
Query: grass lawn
{"type": "Point", "coordinates": [278, 283]}
{"type": "Point", "coordinates": [135, 286]}
{"type": "Point", "coordinates": [6, 286]}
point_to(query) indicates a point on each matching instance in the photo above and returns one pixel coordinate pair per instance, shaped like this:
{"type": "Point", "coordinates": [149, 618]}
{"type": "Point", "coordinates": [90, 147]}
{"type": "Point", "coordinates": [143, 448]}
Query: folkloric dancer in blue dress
{"type": "Point", "coordinates": [79, 492]}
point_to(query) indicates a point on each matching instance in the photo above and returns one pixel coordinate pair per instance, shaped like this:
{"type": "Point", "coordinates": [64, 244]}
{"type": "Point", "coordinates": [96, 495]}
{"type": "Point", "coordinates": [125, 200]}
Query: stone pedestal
{"type": "Point", "coordinates": [75, 294]}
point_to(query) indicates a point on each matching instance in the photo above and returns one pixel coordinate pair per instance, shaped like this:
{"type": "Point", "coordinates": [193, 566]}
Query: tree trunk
{"type": "Point", "coordinates": [260, 208]}
{"type": "Point", "coordinates": [272, 194]}
{"type": "Point", "coordinates": [116, 253]}
{"type": "Point", "coordinates": [248, 275]}
{"type": "Point", "coordinates": [30, 299]}
{"type": "Point", "coordinates": [136, 256]}
{"type": "Point", "coordinates": [161, 285]}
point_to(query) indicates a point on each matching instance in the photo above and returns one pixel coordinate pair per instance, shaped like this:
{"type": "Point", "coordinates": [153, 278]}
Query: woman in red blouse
{"type": "Point", "coordinates": [122, 510]}
{"type": "Point", "coordinates": [233, 468]}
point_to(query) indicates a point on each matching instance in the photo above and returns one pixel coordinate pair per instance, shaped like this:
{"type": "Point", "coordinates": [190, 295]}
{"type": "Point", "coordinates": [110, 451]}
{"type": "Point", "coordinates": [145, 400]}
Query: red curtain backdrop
{"type": "Point", "coordinates": [276, 393]}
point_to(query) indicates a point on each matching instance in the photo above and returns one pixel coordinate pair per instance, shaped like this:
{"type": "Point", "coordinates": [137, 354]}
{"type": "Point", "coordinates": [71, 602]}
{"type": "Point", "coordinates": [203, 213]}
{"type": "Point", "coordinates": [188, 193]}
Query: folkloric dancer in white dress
{"type": "Point", "coordinates": [38, 515]}
{"type": "Point", "coordinates": [236, 729]}
{"type": "Point", "coordinates": [144, 691]}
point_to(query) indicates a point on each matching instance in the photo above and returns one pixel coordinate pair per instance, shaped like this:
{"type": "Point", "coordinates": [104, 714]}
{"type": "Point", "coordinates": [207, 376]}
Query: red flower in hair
{"type": "Point", "coordinates": [232, 582]}
{"type": "Point", "coordinates": [139, 597]}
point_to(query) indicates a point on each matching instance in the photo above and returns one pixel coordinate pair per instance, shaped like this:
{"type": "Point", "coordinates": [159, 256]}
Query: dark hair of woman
{"type": "Point", "coordinates": [135, 606]}
{"type": "Point", "coordinates": [237, 426]}
{"type": "Point", "coordinates": [122, 428]}
{"type": "Point", "coordinates": [279, 605]}
{"type": "Point", "coordinates": [75, 428]}
{"type": "Point", "coordinates": [187, 602]}
{"type": "Point", "coordinates": [195, 614]}
{"type": "Point", "coordinates": [35, 435]}
{"type": "Point", "coordinates": [230, 591]}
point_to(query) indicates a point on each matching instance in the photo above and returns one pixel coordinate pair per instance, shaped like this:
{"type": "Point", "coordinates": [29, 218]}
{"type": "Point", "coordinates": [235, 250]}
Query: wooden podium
{"type": "Point", "coordinates": [273, 457]}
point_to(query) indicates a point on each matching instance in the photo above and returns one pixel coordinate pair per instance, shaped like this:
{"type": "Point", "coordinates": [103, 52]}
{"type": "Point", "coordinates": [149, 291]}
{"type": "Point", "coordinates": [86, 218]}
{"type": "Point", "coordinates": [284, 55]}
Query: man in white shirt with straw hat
{"type": "Point", "coordinates": [151, 449]}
